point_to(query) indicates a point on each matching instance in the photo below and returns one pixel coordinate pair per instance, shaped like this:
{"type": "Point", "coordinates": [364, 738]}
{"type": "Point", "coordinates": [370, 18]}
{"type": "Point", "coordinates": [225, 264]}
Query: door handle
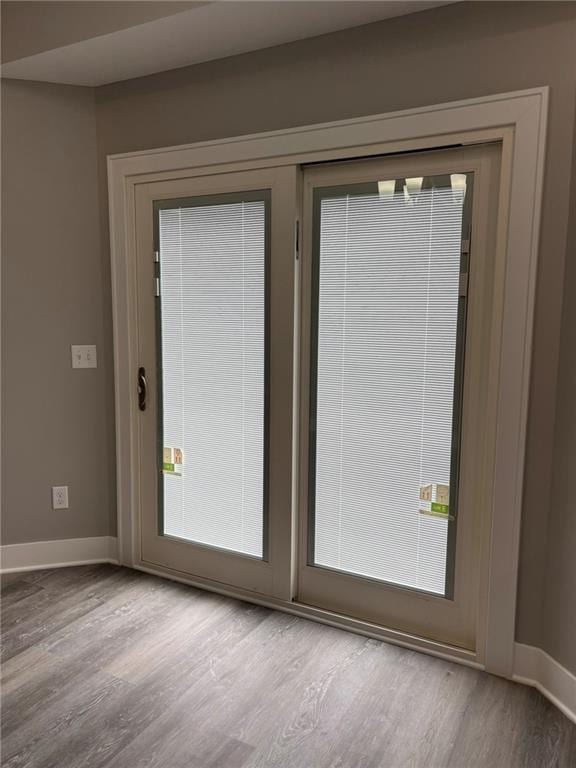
{"type": "Point", "coordinates": [142, 388]}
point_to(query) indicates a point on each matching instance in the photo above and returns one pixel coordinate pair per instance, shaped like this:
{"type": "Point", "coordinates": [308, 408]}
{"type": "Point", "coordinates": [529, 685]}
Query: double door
{"type": "Point", "coordinates": [312, 358]}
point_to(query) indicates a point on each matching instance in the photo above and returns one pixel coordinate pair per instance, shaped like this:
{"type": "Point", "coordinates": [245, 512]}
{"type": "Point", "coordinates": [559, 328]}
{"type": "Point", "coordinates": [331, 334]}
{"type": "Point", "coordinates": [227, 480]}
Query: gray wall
{"type": "Point", "coordinates": [57, 422]}
{"type": "Point", "coordinates": [454, 52]}
{"type": "Point", "coordinates": [559, 619]}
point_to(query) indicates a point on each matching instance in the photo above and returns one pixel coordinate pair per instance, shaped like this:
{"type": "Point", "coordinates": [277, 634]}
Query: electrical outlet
{"type": "Point", "coordinates": [60, 497]}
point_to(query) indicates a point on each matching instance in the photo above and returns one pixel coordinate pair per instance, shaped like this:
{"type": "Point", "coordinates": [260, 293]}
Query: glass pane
{"type": "Point", "coordinates": [212, 320]}
{"type": "Point", "coordinates": [383, 378]}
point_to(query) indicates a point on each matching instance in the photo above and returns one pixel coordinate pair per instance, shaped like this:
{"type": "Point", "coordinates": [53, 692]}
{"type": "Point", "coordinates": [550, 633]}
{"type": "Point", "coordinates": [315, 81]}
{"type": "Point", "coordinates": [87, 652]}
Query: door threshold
{"type": "Point", "coordinates": [339, 621]}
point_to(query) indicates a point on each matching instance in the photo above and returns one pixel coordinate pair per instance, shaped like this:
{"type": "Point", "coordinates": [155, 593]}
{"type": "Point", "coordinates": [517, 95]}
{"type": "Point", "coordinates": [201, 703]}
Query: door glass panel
{"type": "Point", "coordinates": [385, 379]}
{"type": "Point", "coordinates": [212, 309]}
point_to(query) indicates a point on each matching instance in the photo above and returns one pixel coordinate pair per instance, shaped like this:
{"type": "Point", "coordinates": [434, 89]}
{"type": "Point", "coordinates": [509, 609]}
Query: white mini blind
{"type": "Point", "coordinates": [212, 290]}
{"type": "Point", "coordinates": [387, 321]}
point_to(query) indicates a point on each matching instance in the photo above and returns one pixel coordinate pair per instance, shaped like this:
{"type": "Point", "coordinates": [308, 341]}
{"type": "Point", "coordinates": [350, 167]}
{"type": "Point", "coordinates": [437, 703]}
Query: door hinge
{"type": "Point", "coordinates": [463, 285]}
{"type": "Point", "coordinates": [156, 259]}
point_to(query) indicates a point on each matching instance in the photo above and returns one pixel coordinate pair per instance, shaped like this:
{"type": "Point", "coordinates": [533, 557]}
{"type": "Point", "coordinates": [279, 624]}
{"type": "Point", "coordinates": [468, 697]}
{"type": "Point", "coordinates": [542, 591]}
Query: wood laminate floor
{"type": "Point", "coordinates": [104, 667]}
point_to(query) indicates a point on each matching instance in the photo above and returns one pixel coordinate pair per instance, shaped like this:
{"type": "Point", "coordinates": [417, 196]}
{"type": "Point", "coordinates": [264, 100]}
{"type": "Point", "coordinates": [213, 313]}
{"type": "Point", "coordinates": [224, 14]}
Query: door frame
{"type": "Point", "coordinates": [516, 119]}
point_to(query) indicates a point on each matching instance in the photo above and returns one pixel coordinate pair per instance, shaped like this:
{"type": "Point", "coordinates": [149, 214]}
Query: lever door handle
{"type": "Point", "coordinates": [142, 388]}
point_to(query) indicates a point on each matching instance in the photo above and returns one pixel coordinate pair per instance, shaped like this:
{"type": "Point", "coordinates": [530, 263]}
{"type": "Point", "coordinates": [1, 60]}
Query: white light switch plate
{"type": "Point", "coordinates": [83, 356]}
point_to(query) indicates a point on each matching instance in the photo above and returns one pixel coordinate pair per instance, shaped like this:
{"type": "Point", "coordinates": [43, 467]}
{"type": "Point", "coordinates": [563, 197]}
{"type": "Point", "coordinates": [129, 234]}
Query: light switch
{"type": "Point", "coordinates": [83, 356]}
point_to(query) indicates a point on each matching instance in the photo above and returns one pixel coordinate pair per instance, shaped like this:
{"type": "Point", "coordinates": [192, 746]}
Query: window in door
{"type": "Point", "coordinates": [212, 326]}
{"type": "Point", "coordinates": [387, 325]}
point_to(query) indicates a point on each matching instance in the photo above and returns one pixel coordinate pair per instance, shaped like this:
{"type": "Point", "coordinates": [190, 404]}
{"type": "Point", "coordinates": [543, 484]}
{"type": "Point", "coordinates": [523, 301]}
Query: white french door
{"type": "Point", "coordinates": [352, 481]}
{"type": "Point", "coordinates": [215, 295]}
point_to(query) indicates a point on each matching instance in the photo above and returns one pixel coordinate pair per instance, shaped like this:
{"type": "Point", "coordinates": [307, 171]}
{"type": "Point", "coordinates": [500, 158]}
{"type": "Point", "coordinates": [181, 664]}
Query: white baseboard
{"type": "Point", "coordinates": [533, 666]}
{"type": "Point", "coordinates": [35, 555]}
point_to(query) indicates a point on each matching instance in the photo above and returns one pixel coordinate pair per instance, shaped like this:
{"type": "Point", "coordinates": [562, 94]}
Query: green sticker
{"type": "Point", "coordinates": [167, 467]}
{"type": "Point", "coordinates": [440, 509]}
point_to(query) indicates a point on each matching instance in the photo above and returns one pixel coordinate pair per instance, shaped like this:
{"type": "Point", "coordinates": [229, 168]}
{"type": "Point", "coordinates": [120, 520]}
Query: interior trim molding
{"type": "Point", "coordinates": [35, 555]}
{"type": "Point", "coordinates": [533, 666]}
{"type": "Point", "coordinates": [519, 121]}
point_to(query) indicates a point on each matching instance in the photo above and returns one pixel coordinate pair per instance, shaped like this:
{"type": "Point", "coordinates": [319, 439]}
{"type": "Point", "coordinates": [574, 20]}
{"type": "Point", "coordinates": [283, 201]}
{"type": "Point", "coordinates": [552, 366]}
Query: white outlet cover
{"type": "Point", "coordinates": [84, 356]}
{"type": "Point", "coordinates": [60, 497]}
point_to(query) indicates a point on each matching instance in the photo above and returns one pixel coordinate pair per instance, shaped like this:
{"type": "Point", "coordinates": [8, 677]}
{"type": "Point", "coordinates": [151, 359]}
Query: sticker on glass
{"type": "Point", "coordinates": [172, 461]}
{"type": "Point", "coordinates": [435, 500]}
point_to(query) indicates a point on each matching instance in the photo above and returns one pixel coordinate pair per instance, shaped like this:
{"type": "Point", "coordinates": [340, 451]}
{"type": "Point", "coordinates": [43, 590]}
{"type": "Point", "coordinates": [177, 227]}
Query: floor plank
{"type": "Point", "coordinates": [104, 667]}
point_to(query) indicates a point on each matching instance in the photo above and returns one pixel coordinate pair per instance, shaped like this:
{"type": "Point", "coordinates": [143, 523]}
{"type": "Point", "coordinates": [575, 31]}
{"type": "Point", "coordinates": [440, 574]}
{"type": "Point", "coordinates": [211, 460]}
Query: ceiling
{"type": "Point", "coordinates": [104, 42]}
